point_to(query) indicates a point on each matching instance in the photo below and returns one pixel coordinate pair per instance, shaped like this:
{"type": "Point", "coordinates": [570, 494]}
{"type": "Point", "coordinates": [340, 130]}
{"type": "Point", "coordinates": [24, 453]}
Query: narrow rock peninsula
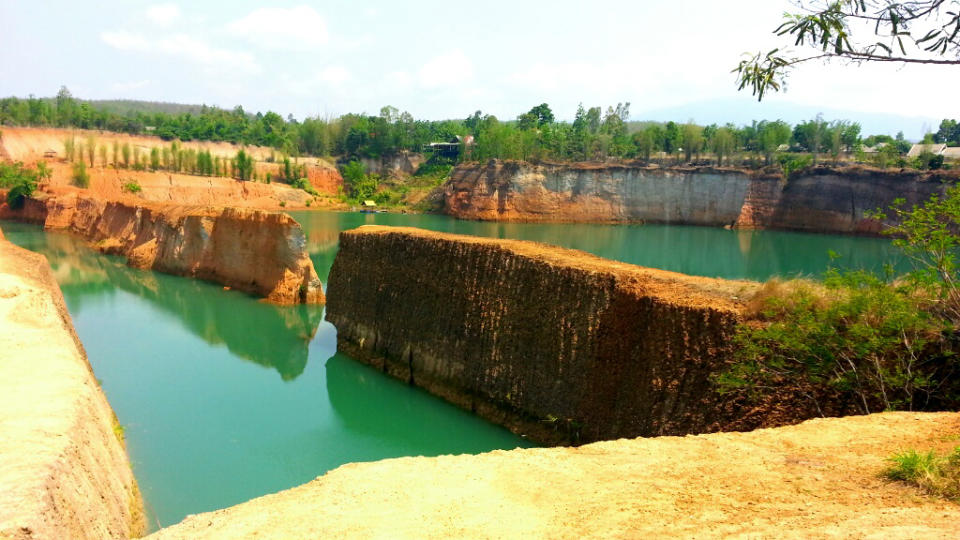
{"type": "Point", "coordinates": [556, 344]}
{"type": "Point", "coordinates": [820, 199]}
{"type": "Point", "coordinates": [64, 472]}
{"type": "Point", "coordinates": [259, 252]}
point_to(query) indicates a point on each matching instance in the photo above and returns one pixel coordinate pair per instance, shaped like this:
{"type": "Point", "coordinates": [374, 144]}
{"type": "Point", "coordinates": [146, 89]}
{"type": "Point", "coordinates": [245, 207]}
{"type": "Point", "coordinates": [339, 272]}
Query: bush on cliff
{"type": "Point", "coordinates": [80, 177]}
{"type": "Point", "coordinates": [21, 181]}
{"type": "Point", "coordinates": [855, 343]}
{"type": "Point", "coordinates": [860, 343]}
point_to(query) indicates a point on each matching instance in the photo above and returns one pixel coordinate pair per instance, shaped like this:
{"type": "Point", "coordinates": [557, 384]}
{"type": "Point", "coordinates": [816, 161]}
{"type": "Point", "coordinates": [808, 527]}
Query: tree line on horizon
{"type": "Point", "coordinates": [594, 133]}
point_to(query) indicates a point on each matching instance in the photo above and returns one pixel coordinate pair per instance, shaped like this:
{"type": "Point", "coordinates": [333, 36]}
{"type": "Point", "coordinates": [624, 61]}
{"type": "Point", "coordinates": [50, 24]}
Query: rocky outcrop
{"type": "Point", "coordinates": [819, 479]}
{"type": "Point", "coordinates": [259, 252]}
{"type": "Point", "coordinates": [820, 199]}
{"type": "Point", "coordinates": [404, 163]}
{"type": "Point", "coordinates": [555, 344]}
{"type": "Point", "coordinates": [64, 472]}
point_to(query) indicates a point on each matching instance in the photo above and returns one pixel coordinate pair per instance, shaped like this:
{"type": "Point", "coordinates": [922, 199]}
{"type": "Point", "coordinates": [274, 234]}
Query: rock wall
{"type": "Point", "coordinates": [263, 253]}
{"type": "Point", "coordinates": [820, 199]}
{"type": "Point", "coordinates": [404, 163]}
{"type": "Point", "coordinates": [64, 472]}
{"type": "Point", "coordinates": [555, 344]}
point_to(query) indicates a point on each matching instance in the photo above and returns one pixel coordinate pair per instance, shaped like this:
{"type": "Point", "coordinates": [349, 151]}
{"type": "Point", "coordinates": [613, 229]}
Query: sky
{"type": "Point", "coordinates": [448, 59]}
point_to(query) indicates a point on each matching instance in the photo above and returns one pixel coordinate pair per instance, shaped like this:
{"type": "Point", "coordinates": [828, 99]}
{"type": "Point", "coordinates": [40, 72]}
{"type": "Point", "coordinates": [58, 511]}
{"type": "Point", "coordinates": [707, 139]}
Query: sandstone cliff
{"type": "Point", "coordinates": [64, 472]}
{"type": "Point", "coordinates": [820, 199]}
{"type": "Point", "coordinates": [819, 479]}
{"type": "Point", "coordinates": [558, 345]}
{"type": "Point", "coordinates": [263, 253]}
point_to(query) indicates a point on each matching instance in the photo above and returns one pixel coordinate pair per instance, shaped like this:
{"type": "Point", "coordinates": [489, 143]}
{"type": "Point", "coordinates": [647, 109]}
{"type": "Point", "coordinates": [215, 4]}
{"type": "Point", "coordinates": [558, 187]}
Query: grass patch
{"type": "Point", "coordinates": [934, 474]}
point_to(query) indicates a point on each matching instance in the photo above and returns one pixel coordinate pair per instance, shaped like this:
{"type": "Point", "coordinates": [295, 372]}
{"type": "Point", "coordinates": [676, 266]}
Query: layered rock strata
{"type": "Point", "coordinates": [556, 344]}
{"type": "Point", "coordinates": [64, 472]}
{"type": "Point", "coordinates": [259, 252]}
{"type": "Point", "coordinates": [820, 199]}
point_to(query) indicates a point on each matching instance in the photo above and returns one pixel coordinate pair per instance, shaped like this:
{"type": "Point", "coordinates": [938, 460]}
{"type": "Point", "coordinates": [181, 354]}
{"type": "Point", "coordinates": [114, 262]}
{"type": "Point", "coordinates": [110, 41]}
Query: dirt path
{"type": "Point", "coordinates": [818, 479]}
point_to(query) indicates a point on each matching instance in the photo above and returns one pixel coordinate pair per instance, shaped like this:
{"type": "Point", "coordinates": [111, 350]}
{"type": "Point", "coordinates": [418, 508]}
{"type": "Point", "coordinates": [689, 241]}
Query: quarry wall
{"type": "Point", "coordinates": [820, 199]}
{"type": "Point", "coordinates": [259, 252]}
{"type": "Point", "coordinates": [556, 344]}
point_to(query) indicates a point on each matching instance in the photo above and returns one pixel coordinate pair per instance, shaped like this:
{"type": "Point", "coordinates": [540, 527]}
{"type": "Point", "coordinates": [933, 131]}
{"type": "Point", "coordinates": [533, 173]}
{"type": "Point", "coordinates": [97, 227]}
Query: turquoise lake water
{"type": "Point", "coordinates": [224, 398]}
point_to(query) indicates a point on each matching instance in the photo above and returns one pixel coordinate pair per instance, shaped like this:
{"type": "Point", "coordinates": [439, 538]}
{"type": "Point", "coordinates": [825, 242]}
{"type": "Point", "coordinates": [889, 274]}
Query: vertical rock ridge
{"type": "Point", "coordinates": [556, 344]}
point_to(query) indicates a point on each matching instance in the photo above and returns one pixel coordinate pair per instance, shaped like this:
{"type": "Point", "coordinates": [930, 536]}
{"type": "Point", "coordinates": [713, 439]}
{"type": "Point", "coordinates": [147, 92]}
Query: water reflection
{"type": "Point", "coordinates": [705, 251]}
{"type": "Point", "coordinates": [369, 404]}
{"type": "Point", "coordinates": [202, 308]}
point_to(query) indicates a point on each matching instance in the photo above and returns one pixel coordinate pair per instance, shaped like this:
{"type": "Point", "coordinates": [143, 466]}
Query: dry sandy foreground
{"type": "Point", "coordinates": [818, 479]}
{"type": "Point", "coordinates": [63, 470]}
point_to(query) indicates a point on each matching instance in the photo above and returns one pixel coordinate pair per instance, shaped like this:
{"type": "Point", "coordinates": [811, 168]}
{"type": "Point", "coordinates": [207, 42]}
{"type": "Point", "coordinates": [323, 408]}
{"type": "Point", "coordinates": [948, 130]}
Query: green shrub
{"type": "Point", "coordinates": [793, 163]}
{"type": "Point", "coordinates": [21, 181]}
{"type": "Point", "coordinates": [132, 187]}
{"type": "Point", "coordinates": [80, 177]}
{"type": "Point", "coordinates": [302, 183]}
{"type": "Point", "coordinates": [934, 474]}
{"type": "Point", "coordinates": [856, 342]}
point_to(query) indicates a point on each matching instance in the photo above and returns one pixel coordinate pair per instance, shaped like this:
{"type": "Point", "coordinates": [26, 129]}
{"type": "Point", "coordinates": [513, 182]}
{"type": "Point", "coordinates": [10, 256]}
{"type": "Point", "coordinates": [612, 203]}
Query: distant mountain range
{"type": "Point", "coordinates": [744, 111]}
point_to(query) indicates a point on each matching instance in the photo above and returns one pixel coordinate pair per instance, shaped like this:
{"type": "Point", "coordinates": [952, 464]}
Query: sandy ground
{"type": "Point", "coordinates": [819, 479]}
{"type": "Point", "coordinates": [63, 471]}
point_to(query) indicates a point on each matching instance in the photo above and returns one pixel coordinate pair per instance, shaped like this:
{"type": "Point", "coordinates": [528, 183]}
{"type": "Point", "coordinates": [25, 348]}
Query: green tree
{"type": "Point", "coordinates": [243, 165]}
{"type": "Point", "coordinates": [70, 147]}
{"type": "Point", "coordinates": [897, 31]}
{"type": "Point", "coordinates": [771, 135]}
{"type": "Point", "coordinates": [155, 158]}
{"type": "Point", "coordinates": [692, 136]}
{"type": "Point", "coordinates": [127, 154]}
{"type": "Point", "coordinates": [91, 149]}
{"type": "Point", "coordinates": [722, 143]}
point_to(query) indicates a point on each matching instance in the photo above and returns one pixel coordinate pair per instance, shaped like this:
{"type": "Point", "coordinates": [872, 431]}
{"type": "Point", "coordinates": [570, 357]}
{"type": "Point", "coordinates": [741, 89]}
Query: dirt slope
{"type": "Point", "coordinates": [63, 471]}
{"type": "Point", "coordinates": [818, 479]}
{"type": "Point", "coordinates": [107, 182]}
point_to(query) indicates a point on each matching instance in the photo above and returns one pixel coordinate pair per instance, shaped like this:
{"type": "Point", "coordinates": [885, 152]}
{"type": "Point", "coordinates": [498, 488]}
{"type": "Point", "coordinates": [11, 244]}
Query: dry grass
{"type": "Point", "coordinates": [934, 474]}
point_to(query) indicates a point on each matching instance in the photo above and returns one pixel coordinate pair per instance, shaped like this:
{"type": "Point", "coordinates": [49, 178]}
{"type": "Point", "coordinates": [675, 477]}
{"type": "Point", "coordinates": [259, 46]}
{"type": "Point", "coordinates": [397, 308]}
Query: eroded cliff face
{"type": "Point", "coordinates": [821, 199]}
{"type": "Point", "coordinates": [64, 472]}
{"type": "Point", "coordinates": [263, 253]}
{"type": "Point", "coordinates": [558, 345]}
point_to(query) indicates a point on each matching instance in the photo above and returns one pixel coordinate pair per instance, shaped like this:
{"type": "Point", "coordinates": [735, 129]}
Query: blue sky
{"type": "Point", "coordinates": [441, 60]}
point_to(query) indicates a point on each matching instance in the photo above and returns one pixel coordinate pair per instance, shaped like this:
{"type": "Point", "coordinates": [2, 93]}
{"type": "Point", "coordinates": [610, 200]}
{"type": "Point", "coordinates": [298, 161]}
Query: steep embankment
{"type": "Point", "coordinates": [820, 199]}
{"type": "Point", "coordinates": [63, 469]}
{"type": "Point", "coordinates": [107, 181]}
{"type": "Point", "coordinates": [819, 479]}
{"type": "Point", "coordinates": [263, 253]}
{"type": "Point", "coordinates": [556, 344]}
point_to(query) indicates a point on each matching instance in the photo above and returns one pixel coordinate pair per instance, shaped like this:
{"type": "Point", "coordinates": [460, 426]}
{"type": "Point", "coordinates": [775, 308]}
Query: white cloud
{"type": "Point", "coordinates": [335, 75]}
{"type": "Point", "coordinates": [123, 87]}
{"type": "Point", "coordinates": [163, 14]}
{"type": "Point", "coordinates": [185, 47]}
{"type": "Point", "coordinates": [398, 80]}
{"type": "Point", "coordinates": [447, 70]}
{"type": "Point", "coordinates": [299, 28]}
